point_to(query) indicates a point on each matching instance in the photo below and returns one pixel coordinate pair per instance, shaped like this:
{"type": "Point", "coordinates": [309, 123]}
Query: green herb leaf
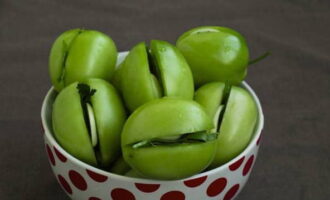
{"type": "Point", "coordinates": [197, 137]}
{"type": "Point", "coordinates": [85, 92]}
{"type": "Point", "coordinates": [200, 137]}
{"type": "Point", "coordinates": [224, 101]}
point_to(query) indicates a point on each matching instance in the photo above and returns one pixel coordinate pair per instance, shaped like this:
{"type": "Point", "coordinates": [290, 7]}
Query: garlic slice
{"type": "Point", "coordinates": [172, 137]}
{"type": "Point", "coordinates": [92, 125]}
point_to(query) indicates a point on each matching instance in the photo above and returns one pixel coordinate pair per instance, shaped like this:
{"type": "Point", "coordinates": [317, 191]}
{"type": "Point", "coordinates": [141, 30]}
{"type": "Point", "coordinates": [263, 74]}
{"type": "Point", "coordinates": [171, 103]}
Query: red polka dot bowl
{"type": "Point", "coordinates": [81, 181]}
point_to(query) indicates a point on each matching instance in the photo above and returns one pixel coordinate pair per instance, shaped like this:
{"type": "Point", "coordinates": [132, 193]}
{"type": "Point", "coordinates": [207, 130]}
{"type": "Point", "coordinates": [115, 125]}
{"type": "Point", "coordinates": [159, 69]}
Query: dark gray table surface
{"type": "Point", "coordinates": [293, 84]}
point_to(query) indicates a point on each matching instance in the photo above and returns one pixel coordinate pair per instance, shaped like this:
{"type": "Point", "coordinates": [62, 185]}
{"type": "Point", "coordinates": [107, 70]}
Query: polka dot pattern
{"type": "Point", "coordinates": [65, 185]}
{"type": "Point", "coordinates": [216, 187]}
{"type": "Point", "coordinates": [173, 195]}
{"type": "Point", "coordinates": [60, 156]}
{"type": "Point", "coordinates": [96, 177]}
{"type": "Point", "coordinates": [195, 182]}
{"type": "Point", "coordinates": [148, 188]}
{"type": "Point", "coordinates": [231, 192]}
{"type": "Point", "coordinates": [77, 180]}
{"type": "Point", "coordinates": [121, 194]}
{"type": "Point", "coordinates": [237, 164]}
{"type": "Point", "coordinates": [248, 165]}
{"type": "Point", "coordinates": [50, 155]}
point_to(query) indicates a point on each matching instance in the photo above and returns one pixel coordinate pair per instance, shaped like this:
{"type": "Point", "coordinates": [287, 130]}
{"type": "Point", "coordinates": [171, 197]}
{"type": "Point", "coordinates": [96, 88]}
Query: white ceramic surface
{"type": "Point", "coordinates": [84, 182]}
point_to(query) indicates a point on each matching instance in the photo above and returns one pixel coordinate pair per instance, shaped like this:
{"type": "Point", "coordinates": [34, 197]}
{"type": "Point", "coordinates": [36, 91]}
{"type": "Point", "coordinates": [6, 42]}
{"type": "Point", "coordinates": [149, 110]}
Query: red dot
{"type": "Point", "coordinates": [173, 195]}
{"type": "Point", "coordinates": [77, 180]}
{"type": "Point", "coordinates": [258, 141]}
{"type": "Point", "coordinates": [231, 192]}
{"type": "Point", "coordinates": [236, 164]}
{"type": "Point", "coordinates": [121, 194]}
{"type": "Point", "coordinates": [147, 187]}
{"type": "Point", "coordinates": [94, 198]}
{"type": "Point", "coordinates": [97, 177]}
{"type": "Point", "coordinates": [248, 165]}
{"type": "Point", "coordinates": [65, 185]}
{"type": "Point", "coordinates": [216, 187]}
{"type": "Point", "coordinates": [59, 155]}
{"type": "Point", "coordinates": [50, 155]}
{"type": "Point", "coordinates": [195, 182]}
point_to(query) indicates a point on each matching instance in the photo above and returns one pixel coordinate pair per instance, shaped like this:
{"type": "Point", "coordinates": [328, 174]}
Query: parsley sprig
{"type": "Point", "coordinates": [85, 93]}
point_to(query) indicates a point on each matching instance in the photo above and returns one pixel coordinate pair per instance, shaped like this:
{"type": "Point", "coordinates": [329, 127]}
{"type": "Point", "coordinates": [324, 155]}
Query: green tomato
{"type": "Point", "coordinates": [120, 166]}
{"type": "Point", "coordinates": [159, 139]}
{"type": "Point", "coordinates": [77, 55]}
{"type": "Point", "coordinates": [116, 78]}
{"type": "Point", "coordinates": [235, 115]}
{"type": "Point", "coordinates": [133, 174]}
{"type": "Point", "coordinates": [87, 123]}
{"type": "Point", "coordinates": [148, 74]}
{"type": "Point", "coordinates": [215, 54]}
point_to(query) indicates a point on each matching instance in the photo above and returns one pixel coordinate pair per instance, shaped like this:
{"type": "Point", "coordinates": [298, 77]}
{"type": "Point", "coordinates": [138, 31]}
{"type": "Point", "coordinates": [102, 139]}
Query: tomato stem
{"type": "Point", "coordinates": [263, 56]}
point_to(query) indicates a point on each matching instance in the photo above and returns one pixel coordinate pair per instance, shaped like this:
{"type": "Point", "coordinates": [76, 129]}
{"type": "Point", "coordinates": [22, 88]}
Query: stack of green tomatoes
{"type": "Point", "coordinates": [166, 112]}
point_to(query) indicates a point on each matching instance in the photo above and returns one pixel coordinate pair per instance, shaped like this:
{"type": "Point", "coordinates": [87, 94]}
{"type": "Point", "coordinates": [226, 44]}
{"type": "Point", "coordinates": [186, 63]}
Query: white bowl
{"type": "Point", "coordinates": [84, 182]}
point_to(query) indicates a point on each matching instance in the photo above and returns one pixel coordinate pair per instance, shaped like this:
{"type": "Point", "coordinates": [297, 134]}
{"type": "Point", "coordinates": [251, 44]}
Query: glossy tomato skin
{"type": "Point", "coordinates": [215, 54]}
{"type": "Point", "coordinates": [238, 122]}
{"type": "Point", "coordinates": [210, 96]}
{"type": "Point", "coordinates": [78, 54]}
{"type": "Point", "coordinates": [70, 127]}
{"type": "Point", "coordinates": [142, 77]}
{"type": "Point", "coordinates": [162, 118]}
{"type": "Point", "coordinates": [175, 74]}
{"type": "Point", "coordinates": [171, 162]}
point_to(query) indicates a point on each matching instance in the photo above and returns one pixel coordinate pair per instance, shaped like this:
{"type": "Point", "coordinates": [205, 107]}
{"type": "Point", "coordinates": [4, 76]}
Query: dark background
{"type": "Point", "coordinates": [293, 84]}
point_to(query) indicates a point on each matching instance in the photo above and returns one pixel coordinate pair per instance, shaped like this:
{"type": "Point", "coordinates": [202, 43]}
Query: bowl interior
{"type": "Point", "coordinates": [46, 114]}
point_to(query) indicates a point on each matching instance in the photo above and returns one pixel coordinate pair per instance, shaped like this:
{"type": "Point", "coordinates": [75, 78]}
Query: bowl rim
{"type": "Point", "coordinates": [51, 139]}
